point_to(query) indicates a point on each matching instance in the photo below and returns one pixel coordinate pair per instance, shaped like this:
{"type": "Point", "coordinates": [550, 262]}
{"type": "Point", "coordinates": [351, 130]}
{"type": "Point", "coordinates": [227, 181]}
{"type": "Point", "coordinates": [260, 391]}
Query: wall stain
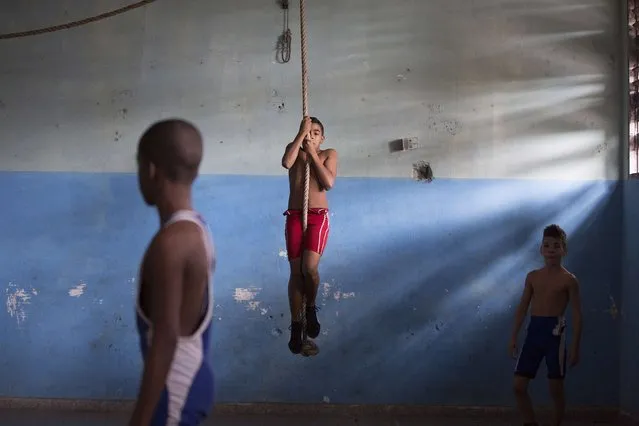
{"type": "Point", "coordinates": [452, 126]}
{"type": "Point", "coordinates": [435, 108]}
{"type": "Point", "coordinates": [277, 102]}
{"type": "Point", "coordinates": [601, 147]}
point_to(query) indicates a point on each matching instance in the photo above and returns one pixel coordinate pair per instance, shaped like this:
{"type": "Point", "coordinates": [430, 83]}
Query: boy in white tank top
{"type": "Point", "coordinates": [173, 307]}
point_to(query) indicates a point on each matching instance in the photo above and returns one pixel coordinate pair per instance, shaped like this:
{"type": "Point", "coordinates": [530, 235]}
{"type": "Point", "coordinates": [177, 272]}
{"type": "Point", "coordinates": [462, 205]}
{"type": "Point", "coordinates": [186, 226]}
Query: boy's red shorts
{"type": "Point", "coordinates": [316, 232]}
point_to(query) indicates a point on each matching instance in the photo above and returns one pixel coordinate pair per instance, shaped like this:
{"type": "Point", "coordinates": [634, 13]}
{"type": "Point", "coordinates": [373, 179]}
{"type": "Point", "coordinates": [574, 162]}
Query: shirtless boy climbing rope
{"type": "Point", "coordinates": [305, 251]}
{"type": "Point", "coordinates": [548, 291]}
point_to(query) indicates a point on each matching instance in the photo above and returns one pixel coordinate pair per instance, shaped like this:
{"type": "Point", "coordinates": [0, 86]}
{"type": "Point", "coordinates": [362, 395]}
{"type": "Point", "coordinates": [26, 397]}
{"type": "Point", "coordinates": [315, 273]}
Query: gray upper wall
{"type": "Point", "coordinates": [491, 88]}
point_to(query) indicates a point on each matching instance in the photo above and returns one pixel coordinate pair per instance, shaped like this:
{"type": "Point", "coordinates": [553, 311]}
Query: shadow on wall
{"type": "Point", "coordinates": [535, 88]}
{"type": "Point", "coordinates": [419, 285]}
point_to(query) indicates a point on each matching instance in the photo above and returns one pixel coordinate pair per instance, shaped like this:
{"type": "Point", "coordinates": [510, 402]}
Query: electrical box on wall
{"type": "Point", "coordinates": [404, 144]}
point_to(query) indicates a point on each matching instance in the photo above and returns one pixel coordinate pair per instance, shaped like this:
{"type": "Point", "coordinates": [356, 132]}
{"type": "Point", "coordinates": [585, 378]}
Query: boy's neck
{"type": "Point", "coordinates": [553, 267]}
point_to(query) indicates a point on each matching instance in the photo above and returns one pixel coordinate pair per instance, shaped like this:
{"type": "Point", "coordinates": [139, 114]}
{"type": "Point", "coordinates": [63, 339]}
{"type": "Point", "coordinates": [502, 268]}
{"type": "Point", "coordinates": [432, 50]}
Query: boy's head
{"type": "Point", "coordinates": [169, 155]}
{"type": "Point", "coordinates": [553, 246]}
{"type": "Point", "coordinates": [317, 130]}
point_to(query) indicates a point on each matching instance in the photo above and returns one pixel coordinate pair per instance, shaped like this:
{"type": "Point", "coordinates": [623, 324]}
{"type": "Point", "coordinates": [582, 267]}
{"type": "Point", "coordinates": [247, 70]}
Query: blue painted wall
{"type": "Point", "coordinates": [630, 314]}
{"type": "Point", "coordinates": [421, 284]}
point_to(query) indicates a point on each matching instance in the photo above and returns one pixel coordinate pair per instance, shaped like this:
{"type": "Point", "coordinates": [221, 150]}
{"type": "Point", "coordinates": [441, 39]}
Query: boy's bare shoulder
{"type": "Point", "coordinates": [571, 279]}
{"type": "Point", "coordinates": [329, 152]}
{"type": "Point", "coordinates": [533, 274]}
{"type": "Point", "coordinates": [569, 274]}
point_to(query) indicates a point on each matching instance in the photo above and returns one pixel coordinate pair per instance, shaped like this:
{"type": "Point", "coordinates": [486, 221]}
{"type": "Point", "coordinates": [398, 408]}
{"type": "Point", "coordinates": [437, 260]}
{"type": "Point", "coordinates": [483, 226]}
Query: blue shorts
{"type": "Point", "coordinates": [545, 338]}
{"type": "Point", "coordinates": [184, 403]}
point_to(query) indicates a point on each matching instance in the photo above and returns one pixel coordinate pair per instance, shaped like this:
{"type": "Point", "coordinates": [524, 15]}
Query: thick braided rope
{"type": "Point", "coordinates": [74, 24]}
{"type": "Point", "coordinates": [304, 108]}
{"type": "Point", "coordinates": [307, 176]}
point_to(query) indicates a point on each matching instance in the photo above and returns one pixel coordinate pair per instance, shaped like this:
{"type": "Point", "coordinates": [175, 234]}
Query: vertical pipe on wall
{"type": "Point", "coordinates": [633, 77]}
{"type": "Point", "coordinates": [624, 118]}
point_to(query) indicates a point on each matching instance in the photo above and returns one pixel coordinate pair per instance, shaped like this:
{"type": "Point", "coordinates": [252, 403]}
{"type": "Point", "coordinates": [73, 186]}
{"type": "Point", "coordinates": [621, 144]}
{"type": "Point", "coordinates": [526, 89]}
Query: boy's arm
{"type": "Point", "coordinates": [293, 148]}
{"type": "Point", "coordinates": [522, 309]}
{"type": "Point", "coordinates": [166, 259]}
{"type": "Point", "coordinates": [575, 305]}
{"type": "Point", "coordinates": [291, 151]}
{"type": "Point", "coordinates": [326, 171]}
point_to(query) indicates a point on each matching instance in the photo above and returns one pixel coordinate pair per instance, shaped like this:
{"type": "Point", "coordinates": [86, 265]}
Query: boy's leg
{"type": "Point", "coordinates": [556, 364]}
{"type": "Point", "coordinates": [293, 235]}
{"type": "Point", "coordinates": [311, 285]}
{"type": "Point", "coordinates": [295, 288]}
{"type": "Point", "coordinates": [311, 276]}
{"type": "Point", "coordinates": [524, 403]}
{"type": "Point", "coordinates": [526, 370]}
{"type": "Point", "coordinates": [316, 238]}
{"type": "Point", "coordinates": [559, 401]}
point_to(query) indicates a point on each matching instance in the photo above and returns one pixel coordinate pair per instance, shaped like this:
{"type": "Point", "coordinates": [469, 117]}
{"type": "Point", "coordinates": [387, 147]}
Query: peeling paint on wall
{"type": "Point", "coordinates": [134, 288]}
{"type": "Point", "coordinates": [326, 290]}
{"type": "Point", "coordinates": [78, 290]}
{"type": "Point", "coordinates": [247, 296]}
{"type": "Point", "coordinates": [283, 253]}
{"type": "Point", "coordinates": [17, 298]}
{"type": "Point", "coordinates": [338, 295]}
{"type": "Point", "coordinates": [613, 311]}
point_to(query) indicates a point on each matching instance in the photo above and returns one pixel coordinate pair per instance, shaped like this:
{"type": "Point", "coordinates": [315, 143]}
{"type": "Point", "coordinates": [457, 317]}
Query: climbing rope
{"type": "Point", "coordinates": [74, 24]}
{"type": "Point", "coordinates": [308, 347]}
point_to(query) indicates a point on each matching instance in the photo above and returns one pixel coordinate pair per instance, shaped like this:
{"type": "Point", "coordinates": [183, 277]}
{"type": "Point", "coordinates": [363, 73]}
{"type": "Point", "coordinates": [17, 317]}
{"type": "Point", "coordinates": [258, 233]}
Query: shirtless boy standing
{"type": "Point", "coordinates": [305, 251]}
{"type": "Point", "coordinates": [548, 291]}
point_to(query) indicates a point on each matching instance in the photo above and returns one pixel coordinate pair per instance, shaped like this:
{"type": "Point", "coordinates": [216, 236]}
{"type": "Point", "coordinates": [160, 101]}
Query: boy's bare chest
{"type": "Point", "coordinates": [550, 289]}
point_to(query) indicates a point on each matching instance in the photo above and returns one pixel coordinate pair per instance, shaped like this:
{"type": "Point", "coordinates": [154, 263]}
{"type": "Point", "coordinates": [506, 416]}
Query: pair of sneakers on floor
{"type": "Point", "coordinates": [312, 329]}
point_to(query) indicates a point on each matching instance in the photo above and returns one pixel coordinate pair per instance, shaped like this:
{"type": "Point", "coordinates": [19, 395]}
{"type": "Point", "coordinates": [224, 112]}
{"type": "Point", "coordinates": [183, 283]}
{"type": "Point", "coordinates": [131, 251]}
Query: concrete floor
{"type": "Point", "coordinates": [17, 417]}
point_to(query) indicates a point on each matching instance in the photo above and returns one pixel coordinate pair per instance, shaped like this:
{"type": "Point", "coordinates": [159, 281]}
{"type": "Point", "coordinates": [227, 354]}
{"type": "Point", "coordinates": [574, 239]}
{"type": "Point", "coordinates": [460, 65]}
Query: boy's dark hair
{"type": "Point", "coordinates": [555, 231]}
{"type": "Point", "coordinates": [315, 120]}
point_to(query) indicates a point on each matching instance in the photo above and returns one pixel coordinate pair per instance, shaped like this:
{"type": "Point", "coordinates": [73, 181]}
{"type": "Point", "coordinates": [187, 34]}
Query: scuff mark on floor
{"type": "Point", "coordinates": [17, 298]}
